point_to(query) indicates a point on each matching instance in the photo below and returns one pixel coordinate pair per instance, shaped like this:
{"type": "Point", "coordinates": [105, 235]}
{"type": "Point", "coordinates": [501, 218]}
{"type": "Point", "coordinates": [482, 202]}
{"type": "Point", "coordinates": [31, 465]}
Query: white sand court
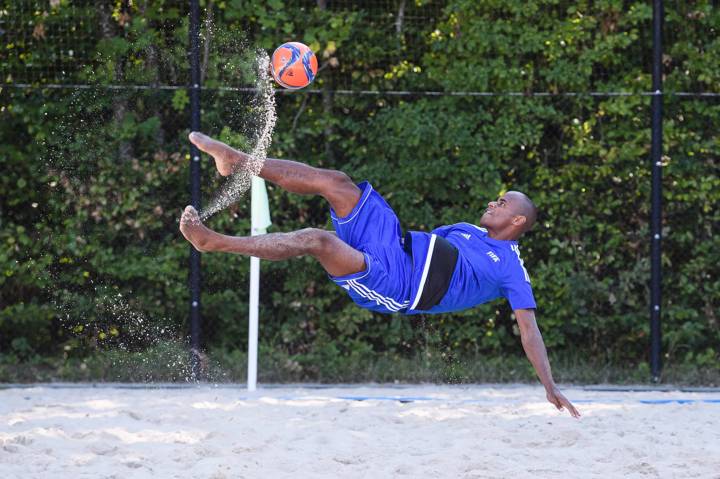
{"type": "Point", "coordinates": [482, 431]}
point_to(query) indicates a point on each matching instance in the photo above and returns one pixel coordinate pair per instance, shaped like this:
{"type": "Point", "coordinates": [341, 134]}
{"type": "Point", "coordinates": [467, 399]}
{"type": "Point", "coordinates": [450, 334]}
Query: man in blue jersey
{"type": "Point", "coordinates": [451, 268]}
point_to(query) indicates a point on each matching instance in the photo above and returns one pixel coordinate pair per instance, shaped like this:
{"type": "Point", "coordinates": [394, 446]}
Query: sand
{"type": "Point", "coordinates": [306, 432]}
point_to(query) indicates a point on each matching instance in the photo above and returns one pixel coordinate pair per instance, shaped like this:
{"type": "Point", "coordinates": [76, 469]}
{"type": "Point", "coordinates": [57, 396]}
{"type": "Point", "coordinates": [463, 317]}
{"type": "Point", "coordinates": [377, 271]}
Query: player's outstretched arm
{"type": "Point", "coordinates": [537, 354]}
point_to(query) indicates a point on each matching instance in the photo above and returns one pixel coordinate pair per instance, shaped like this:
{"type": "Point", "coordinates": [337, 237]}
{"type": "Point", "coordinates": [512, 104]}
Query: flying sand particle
{"type": "Point", "coordinates": [241, 180]}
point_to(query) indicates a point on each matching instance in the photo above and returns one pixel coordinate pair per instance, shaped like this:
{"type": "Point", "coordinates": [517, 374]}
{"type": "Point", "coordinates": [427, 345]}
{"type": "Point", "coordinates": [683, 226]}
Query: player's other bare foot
{"type": "Point", "coordinates": [195, 231]}
{"type": "Point", "coordinates": [227, 159]}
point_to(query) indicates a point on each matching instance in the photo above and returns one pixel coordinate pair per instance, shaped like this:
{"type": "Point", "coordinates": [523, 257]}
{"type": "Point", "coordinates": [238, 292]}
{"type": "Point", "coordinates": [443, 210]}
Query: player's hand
{"type": "Point", "coordinates": [561, 402]}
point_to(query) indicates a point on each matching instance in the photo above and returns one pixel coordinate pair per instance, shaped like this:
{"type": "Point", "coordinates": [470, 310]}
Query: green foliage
{"type": "Point", "coordinates": [94, 179]}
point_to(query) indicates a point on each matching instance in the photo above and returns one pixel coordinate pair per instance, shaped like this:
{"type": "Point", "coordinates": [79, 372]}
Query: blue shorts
{"type": "Point", "coordinates": [373, 228]}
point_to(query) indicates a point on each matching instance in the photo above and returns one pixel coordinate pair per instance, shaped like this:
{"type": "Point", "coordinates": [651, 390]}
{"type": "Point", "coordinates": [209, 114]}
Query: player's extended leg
{"type": "Point", "coordinates": [337, 257]}
{"type": "Point", "coordinates": [335, 186]}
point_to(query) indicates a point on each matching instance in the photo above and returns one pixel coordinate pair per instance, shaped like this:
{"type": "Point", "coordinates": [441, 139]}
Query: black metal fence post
{"type": "Point", "coordinates": [656, 212]}
{"type": "Point", "coordinates": [194, 279]}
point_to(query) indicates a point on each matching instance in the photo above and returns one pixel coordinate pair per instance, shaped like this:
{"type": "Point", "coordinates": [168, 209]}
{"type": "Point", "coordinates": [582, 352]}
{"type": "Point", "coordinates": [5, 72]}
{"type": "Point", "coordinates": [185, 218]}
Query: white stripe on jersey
{"type": "Point", "coordinates": [484, 230]}
{"type": "Point", "coordinates": [431, 247]}
{"type": "Point", "coordinates": [516, 248]}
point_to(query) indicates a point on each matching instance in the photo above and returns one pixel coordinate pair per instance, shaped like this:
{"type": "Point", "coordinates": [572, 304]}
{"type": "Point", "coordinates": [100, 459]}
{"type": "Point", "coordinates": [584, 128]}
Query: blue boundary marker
{"type": "Point", "coordinates": [647, 401]}
{"type": "Point", "coordinates": [350, 386]}
{"type": "Point", "coordinates": [386, 398]}
{"type": "Point", "coordinates": [413, 399]}
{"type": "Point", "coordinates": [403, 399]}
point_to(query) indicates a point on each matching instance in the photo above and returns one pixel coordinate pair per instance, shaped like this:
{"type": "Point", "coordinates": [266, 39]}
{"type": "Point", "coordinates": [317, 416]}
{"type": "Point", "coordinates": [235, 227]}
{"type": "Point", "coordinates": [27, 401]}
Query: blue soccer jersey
{"type": "Point", "coordinates": [486, 269]}
{"type": "Point", "coordinates": [398, 277]}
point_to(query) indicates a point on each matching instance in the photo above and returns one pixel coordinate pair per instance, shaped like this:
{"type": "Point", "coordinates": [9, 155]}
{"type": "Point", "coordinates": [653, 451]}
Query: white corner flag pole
{"type": "Point", "coordinates": [259, 222]}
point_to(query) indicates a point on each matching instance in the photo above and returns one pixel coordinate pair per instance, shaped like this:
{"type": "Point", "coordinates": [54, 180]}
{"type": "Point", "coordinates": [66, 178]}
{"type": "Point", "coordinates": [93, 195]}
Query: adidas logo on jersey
{"type": "Point", "coordinates": [493, 256]}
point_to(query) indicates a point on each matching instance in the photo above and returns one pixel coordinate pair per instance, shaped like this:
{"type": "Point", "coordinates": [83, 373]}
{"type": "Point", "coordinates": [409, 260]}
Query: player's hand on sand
{"type": "Point", "coordinates": [227, 159]}
{"type": "Point", "coordinates": [561, 402]}
{"type": "Point", "coordinates": [195, 231]}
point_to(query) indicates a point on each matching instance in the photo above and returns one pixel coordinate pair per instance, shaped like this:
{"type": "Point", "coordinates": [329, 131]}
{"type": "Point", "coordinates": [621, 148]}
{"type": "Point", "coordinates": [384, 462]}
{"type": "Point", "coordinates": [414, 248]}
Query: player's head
{"type": "Point", "coordinates": [512, 214]}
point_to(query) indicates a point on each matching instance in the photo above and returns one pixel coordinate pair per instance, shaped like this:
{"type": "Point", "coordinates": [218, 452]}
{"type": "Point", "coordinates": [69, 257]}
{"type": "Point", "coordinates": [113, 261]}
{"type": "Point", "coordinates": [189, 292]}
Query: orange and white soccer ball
{"type": "Point", "coordinates": [293, 65]}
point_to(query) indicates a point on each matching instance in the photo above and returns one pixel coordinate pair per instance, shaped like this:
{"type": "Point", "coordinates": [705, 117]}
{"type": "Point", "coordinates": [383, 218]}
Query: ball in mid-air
{"type": "Point", "coordinates": [293, 65]}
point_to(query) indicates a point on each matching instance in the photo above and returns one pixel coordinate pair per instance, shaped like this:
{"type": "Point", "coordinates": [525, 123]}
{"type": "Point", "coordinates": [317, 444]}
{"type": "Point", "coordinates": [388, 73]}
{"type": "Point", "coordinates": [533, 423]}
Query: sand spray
{"type": "Point", "coordinates": [241, 180]}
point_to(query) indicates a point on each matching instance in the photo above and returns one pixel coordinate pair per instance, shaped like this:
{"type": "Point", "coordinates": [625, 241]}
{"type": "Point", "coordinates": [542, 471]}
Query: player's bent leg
{"type": "Point", "coordinates": [343, 194]}
{"type": "Point", "coordinates": [336, 256]}
{"type": "Point", "coordinates": [335, 186]}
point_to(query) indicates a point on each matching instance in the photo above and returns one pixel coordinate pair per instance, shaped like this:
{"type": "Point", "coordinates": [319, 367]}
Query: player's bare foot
{"type": "Point", "coordinates": [227, 159]}
{"type": "Point", "coordinates": [195, 231]}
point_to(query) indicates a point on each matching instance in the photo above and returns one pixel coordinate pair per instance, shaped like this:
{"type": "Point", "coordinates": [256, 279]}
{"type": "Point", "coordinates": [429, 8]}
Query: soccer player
{"type": "Point", "coordinates": [451, 268]}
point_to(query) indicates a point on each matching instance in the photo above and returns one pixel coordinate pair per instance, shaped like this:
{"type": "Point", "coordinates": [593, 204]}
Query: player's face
{"type": "Point", "coordinates": [498, 214]}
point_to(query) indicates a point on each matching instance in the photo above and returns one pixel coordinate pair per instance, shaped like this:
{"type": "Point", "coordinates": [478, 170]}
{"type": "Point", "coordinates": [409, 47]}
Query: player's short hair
{"type": "Point", "coordinates": [526, 208]}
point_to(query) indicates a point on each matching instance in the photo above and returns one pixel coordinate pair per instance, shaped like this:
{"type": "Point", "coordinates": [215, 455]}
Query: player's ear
{"type": "Point", "coordinates": [519, 220]}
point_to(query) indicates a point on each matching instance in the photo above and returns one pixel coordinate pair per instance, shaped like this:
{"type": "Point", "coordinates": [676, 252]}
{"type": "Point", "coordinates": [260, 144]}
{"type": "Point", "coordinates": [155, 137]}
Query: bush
{"type": "Point", "coordinates": [94, 179]}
